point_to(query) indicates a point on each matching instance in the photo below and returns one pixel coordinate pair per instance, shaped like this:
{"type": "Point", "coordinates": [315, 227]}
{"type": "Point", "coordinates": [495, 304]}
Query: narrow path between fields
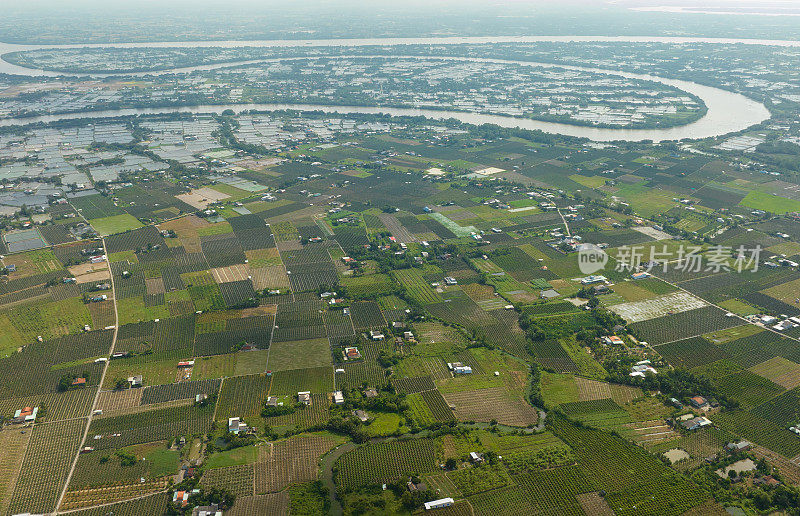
{"type": "Point", "coordinates": [99, 386]}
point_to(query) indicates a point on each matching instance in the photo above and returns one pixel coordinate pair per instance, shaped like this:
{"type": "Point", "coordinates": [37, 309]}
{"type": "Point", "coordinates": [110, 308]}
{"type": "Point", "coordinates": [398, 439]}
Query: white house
{"type": "Point", "coordinates": [438, 504]}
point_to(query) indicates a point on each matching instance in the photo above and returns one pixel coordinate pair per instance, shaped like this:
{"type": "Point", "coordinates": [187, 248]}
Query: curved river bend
{"type": "Point", "coordinates": [727, 111]}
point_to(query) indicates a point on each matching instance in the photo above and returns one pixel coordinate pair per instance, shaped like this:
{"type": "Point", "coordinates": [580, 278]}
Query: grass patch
{"type": "Point", "coordinates": [115, 224]}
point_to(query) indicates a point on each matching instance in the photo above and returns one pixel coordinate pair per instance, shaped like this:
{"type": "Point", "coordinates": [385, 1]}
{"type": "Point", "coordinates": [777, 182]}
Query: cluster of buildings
{"type": "Point", "coordinates": [780, 324]}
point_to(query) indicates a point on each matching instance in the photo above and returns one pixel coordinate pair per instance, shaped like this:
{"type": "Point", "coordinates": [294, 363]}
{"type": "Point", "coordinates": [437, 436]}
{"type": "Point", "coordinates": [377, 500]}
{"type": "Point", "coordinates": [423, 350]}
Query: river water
{"type": "Point", "coordinates": [727, 111]}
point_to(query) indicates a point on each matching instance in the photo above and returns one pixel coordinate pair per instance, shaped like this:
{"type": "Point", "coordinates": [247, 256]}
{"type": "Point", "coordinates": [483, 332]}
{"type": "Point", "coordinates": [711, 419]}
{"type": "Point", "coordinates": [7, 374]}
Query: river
{"type": "Point", "coordinates": [727, 111]}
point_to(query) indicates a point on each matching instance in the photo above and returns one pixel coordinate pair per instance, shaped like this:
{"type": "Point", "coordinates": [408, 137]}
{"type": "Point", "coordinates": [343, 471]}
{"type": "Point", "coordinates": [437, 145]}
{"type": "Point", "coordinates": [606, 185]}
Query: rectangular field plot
{"type": "Point", "coordinates": [350, 237]}
{"type": "Point", "coordinates": [602, 413]}
{"type": "Point", "coordinates": [338, 324]}
{"type": "Point", "coordinates": [290, 461]}
{"type": "Point", "coordinates": [253, 331]}
{"type": "Point", "coordinates": [651, 308]}
{"type": "Point", "coordinates": [368, 286]}
{"type": "Point", "coordinates": [589, 390]}
{"type": "Point", "coordinates": [366, 316]}
{"type": "Point", "coordinates": [299, 321]}
{"type": "Point", "coordinates": [222, 252]}
{"type": "Point", "coordinates": [178, 391]}
{"type": "Point", "coordinates": [243, 396]}
{"type": "Point", "coordinates": [153, 425]}
{"type": "Point", "coordinates": [149, 504]}
{"type": "Point", "coordinates": [60, 405]}
{"type": "Point", "coordinates": [492, 403]}
{"type": "Point", "coordinates": [311, 276]}
{"type": "Point", "coordinates": [23, 240]}
{"type": "Point", "coordinates": [237, 293]}
{"type": "Point", "coordinates": [144, 238]}
{"type": "Point", "coordinates": [416, 285]}
{"type": "Point", "coordinates": [375, 463]}
{"type": "Point", "coordinates": [230, 274]}
{"type": "Point", "coordinates": [115, 224]}
{"type": "Point", "coordinates": [779, 370]}
{"type": "Point", "coordinates": [271, 278]}
{"type": "Point", "coordinates": [551, 354]}
{"type": "Point", "coordinates": [51, 449]}
{"type": "Point", "coordinates": [316, 379]}
{"type": "Point", "coordinates": [760, 431]}
{"type": "Point", "coordinates": [629, 474]}
{"type": "Point", "coordinates": [783, 410]}
{"type": "Point", "coordinates": [753, 349]}
{"type": "Point", "coordinates": [13, 444]}
{"type": "Point", "coordinates": [689, 353]}
{"type": "Point", "coordinates": [274, 504]}
{"type": "Point", "coordinates": [299, 354]}
{"type": "Point", "coordinates": [683, 325]}
{"type": "Point", "coordinates": [747, 388]}
{"type": "Point", "coordinates": [414, 384]}
{"type": "Point", "coordinates": [252, 232]}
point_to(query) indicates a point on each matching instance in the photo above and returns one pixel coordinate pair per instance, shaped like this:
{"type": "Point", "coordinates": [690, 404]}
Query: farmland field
{"type": "Point", "coordinates": [692, 323]}
{"type": "Point", "coordinates": [165, 274]}
{"type": "Point", "coordinates": [49, 455]}
{"type": "Point", "coordinates": [375, 463]}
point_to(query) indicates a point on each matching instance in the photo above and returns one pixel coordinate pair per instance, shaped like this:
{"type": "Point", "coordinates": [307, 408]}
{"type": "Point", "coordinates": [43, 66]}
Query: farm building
{"type": "Point", "coordinates": [438, 504]}
{"type": "Point", "coordinates": [25, 415]}
{"type": "Point", "coordinates": [272, 401]}
{"type": "Point", "coordinates": [79, 382]}
{"type": "Point", "coordinates": [371, 393]}
{"type": "Point", "coordinates": [459, 368]}
{"type": "Point", "coordinates": [304, 397]}
{"type": "Point", "coordinates": [376, 335]}
{"type": "Point", "coordinates": [696, 422]}
{"type": "Point", "coordinates": [738, 447]}
{"type": "Point", "coordinates": [360, 414]}
{"type": "Point", "coordinates": [186, 363]}
{"type": "Point", "coordinates": [640, 275]}
{"type": "Point", "coordinates": [613, 340]}
{"type": "Point", "coordinates": [338, 397]}
{"type": "Point", "coordinates": [180, 498]}
{"type": "Point", "coordinates": [135, 381]}
{"type": "Point", "coordinates": [642, 368]}
{"type": "Point", "coordinates": [699, 402]}
{"type": "Point", "coordinates": [417, 487]}
{"type": "Point", "coordinates": [207, 510]}
{"type": "Point", "coordinates": [475, 457]}
{"type": "Point", "coordinates": [548, 294]}
{"type": "Point", "coordinates": [351, 353]}
{"type": "Point", "coordinates": [588, 280]}
{"type": "Point", "coordinates": [235, 426]}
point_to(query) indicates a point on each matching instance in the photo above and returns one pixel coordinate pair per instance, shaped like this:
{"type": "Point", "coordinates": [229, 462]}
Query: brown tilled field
{"type": "Point", "coordinates": [111, 401]}
{"type": "Point", "coordinates": [13, 442]}
{"type": "Point", "coordinates": [290, 461]}
{"type": "Point", "coordinates": [274, 504]}
{"type": "Point", "coordinates": [594, 504]}
{"type": "Point", "coordinates": [492, 403]}
{"type": "Point", "coordinates": [232, 273]}
{"type": "Point", "coordinates": [274, 277]}
{"type": "Point", "coordinates": [589, 390]}
{"type": "Point", "coordinates": [186, 229]}
{"type": "Point", "coordinates": [154, 286]}
{"type": "Point", "coordinates": [109, 494]}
